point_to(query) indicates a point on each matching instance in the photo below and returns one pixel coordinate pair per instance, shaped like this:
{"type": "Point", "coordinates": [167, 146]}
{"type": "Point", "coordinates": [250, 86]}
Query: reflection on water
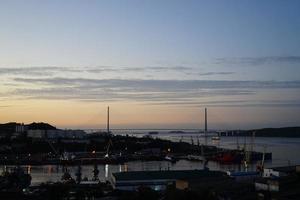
{"type": "Point", "coordinates": [106, 171]}
{"type": "Point", "coordinates": [29, 169]}
{"type": "Point", "coordinates": [215, 143]}
{"type": "Point", "coordinates": [50, 169]}
{"type": "Point", "coordinates": [285, 150]}
{"type": "Point", "coordinates": [125, 167]}
{"type": "Point", "coordinates": [54, 173]}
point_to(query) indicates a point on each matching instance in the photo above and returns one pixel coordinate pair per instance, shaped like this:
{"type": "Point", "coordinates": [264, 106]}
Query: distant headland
{"type": "Point", "coordinates": [8, 129]}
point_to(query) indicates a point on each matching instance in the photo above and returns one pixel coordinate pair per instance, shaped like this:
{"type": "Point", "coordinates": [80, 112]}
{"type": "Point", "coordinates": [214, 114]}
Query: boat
{"type": "Point", "coordinates": [229, 157]}
{"type": "Point", "coordinates": [226, 158]}
{"type": "Point", "coordinates": [195, 158]}
{"type": "Point", "coordinates": [170, 159]}
{"type": "Point", "coordinates": [177, 132]}
{"type": "Point", "coordinates": [153, 132]}
{"type": "Point", "coordinates": [215, 138]}
{"type": "Point", "coordinates": [243, 175]}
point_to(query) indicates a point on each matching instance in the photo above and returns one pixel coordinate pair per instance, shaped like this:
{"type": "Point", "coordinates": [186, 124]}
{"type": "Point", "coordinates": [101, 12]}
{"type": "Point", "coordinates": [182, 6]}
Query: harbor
{"type": "Point", "coordinates": [43, 144]}
{"type": "Point", "coordinates": [284, 152]}
{"type": "Point", "coordinates": [44, 162]}
{"type": "Point", "coordinates": [110, 163]}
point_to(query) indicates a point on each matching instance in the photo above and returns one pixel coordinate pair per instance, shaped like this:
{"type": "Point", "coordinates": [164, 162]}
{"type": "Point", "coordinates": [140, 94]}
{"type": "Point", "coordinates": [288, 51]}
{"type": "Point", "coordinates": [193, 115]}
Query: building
{"type": "Point", "coordinates": [279, 179]}
{"type": "Point", "coordinates": [280, 171]}
{"type": "Point", "coordinates": [36, 134]}
{"type": "Point", "coordinates": [19, 131]}
{"type": "Point", "coordinates": [66, 134]}
{"type": "Point", "coordinates": [55, 134]}
{"type": "Point", "coordinates": [268, 184]}
{"type": "Point", "coordinates": [159, 180]}
{"type": "Point", "coordinates": [20, 128]}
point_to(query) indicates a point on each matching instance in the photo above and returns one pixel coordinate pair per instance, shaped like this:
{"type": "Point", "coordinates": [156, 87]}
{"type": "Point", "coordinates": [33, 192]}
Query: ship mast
{"type": "Point", "coordinates": [205, 120]}
{"type": "Point", "coordinates": [108, 119]}
{"type": "Point", "coordinates": [205, 129]}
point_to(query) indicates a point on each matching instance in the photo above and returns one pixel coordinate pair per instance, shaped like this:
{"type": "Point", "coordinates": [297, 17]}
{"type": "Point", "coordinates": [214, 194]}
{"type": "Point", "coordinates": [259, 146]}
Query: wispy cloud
{"type": "Point", "coordinates": [109, 72]}
{"type": "Point", "coordinates": [215, 73]}
{"type": "Point", "coordinates": [259, 60]}
{"type": "Point", "coordinates": [242, 103]}
{"type": "Point", "coordinates": [47, 71]}
{"type": "Point", "coordinates": [64, 83]}
{"type": "Point", "coordinates": [101, 69]}
{"type": "Point", "coordinates": [36, 71]}
{"type": "Point", "coordinates": [158, 85]}
{"type": "Point", "coordinates": [172, 68]}
{"type": "Point", "coordinates": [5, 106]}
{"type": "Point", "coordinates": [155, 92]}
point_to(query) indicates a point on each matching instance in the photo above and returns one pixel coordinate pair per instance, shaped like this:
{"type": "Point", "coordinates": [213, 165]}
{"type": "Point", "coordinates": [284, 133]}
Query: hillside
{"type": "Point", "coordinates": [276, 132]}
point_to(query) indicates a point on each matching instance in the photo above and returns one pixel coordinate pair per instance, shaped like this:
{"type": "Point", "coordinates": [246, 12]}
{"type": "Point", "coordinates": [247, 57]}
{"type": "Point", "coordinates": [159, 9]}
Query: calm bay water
{"type": "Point", "coordinates": [286, 151]}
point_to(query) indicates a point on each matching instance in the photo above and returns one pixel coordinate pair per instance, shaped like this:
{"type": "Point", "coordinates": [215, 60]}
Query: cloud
{"type": "Point", "coordinates": [215, 73]}
{"type": "Point", "coordinates": [155, 92]}
{"type": "Point", "coordinates": [101, 69]}
{"type": "Point", "coordinates": [174, 68]}
{"type": "Point", "coordinates": [53, 83]}
{"type": "Point", "coordinates": [159, 85]}
{"type": "Point", "coordinates": [26, 70]}
{"type": "Point", "coordinates": [241, 103]}
{"type": "Point", "coordinates": [5, 106]}
{"type": "Point", "coordinates": [36, 71]}
{"type": "Point", "coordinates": [259, 60]}
{"type": "Point", "coordinates": [54, 70]}
{"type": "Point", "coordinates": [120, 93]}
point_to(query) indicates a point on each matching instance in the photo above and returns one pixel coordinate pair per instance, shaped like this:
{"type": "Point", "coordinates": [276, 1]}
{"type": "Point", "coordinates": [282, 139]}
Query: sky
{"type": "Point", "coordinates": [157, 64]}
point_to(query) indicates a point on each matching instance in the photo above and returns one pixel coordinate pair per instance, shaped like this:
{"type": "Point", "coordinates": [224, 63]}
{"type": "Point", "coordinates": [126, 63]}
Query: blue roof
{"type": "Point", "coordinates": [250, 173]}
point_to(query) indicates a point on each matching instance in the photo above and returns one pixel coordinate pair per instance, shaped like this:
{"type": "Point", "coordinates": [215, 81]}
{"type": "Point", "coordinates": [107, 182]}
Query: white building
{"type": "Point", "coordinates": [279, 171]}
{"type": "Point", "coordinates": [36, 133]}
{"type": "Point", "coordinates": [20, 128]}
{"type": "Point", "coordinates": [267, 185]}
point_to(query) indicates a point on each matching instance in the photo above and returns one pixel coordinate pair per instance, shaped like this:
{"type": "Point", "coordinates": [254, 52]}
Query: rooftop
{"type": "Point", "coordinates": [286, 169]}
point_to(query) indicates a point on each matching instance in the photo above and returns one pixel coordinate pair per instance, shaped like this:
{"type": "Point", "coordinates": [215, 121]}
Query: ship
{"type": "Point", "coordinates": [153, 132]}
{"type": "Point", "coordinates": [215, 138]}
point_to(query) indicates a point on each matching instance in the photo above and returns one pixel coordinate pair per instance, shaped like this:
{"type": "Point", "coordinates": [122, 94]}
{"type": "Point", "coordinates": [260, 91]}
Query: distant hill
{"type": "Point", "coordinates": [40, 125]}
{"type": "Point", "coordinates": [276, 132]}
